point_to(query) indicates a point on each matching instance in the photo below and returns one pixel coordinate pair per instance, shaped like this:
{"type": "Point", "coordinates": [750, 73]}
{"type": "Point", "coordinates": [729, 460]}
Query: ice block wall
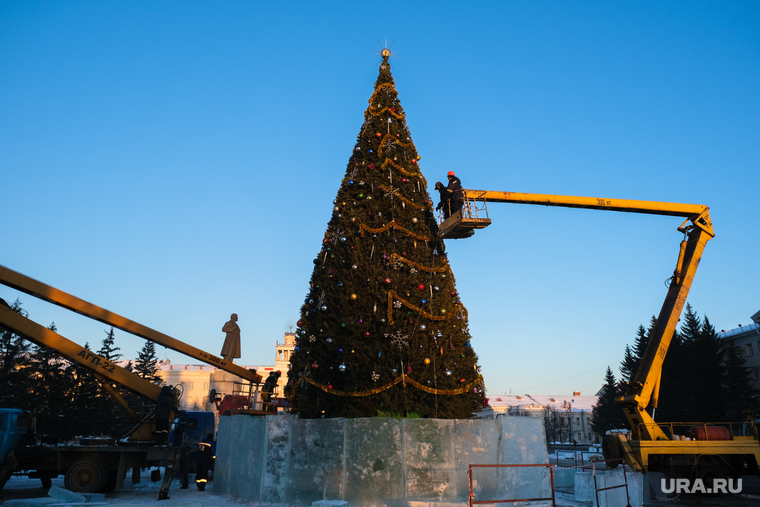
{"type": "Point", "coordinates": [376, 461]}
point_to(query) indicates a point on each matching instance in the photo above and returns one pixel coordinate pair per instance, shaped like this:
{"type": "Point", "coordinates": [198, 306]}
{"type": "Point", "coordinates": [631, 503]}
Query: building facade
{"type": "Point", "coordinates": [567, 419]}
{"type": "Point", "coordinates": [747, 340]}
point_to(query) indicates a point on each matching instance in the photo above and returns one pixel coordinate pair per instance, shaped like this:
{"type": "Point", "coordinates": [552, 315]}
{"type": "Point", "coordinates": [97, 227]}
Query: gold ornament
{"type": "Point", "coordinates": [354, 297]}
{"type": "Point", "coordinates": [427, 360]}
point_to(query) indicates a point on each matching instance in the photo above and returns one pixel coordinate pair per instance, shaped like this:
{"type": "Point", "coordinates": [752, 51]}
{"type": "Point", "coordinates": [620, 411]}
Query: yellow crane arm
{"type": "Point", "coordinates": [698, 230]}
{"type": "Point", "coordinates": [50, 294]}
{"type": "Point", "coordinates": [101, 366]}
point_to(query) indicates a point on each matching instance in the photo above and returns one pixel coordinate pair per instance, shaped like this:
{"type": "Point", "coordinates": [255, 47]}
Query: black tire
{"type": "Point", "coordinates": [612, 450]}
{"type": "Point", "coordinates": [709, 472]}
{"type": "Point", "coordinates": [86, 476]}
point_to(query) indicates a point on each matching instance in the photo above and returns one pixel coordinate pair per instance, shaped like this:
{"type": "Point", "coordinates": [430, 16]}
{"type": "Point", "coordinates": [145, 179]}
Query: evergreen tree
{"type": "Point", "coordinates": [108, 348]}
{"type": "Point", "coordinates": [701, 370]}
{"type": "Point", "coordinates": [382, 329]}
{"type": "Point", "coordinates": [14, 361]}
{"type": "Point", "coordinates": [50, 390]}
{"type": "Point", "coordinates": [606, 415]}
{"type": "Point", "coordinates": [740, 393]}
{"type": "Point", "coordinates": [147, 363]}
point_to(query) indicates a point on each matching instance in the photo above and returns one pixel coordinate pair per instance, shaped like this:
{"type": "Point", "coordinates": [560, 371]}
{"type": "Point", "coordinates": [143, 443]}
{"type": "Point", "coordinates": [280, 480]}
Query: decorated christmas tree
{"type": "Point", "coordinates": [382, 330]}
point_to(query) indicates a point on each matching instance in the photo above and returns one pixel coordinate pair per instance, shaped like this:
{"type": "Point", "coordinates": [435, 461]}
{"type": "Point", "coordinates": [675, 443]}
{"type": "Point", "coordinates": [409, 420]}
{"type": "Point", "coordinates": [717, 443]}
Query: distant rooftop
{"type": "Point", "coordinates": [569, 403]}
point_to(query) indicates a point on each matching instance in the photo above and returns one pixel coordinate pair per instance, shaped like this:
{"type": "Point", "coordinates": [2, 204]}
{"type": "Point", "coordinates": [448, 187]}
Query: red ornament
{"type": "Point", "coordinates": [421, 286]}
{"type": "Point", "coordinates": [314, 366]}
{"type": "Point", "coordinates": [411, 321]}
{"type": "Point", "coordinates": [409, 369]}
{"type": "Point", "coordinates": [299, 323]}
{"type": "Point", "coordinates": [404, 180]}
{"type": "Point", "coordinates": [454, 293]}
{"type": "Point", "coordinates": [329, 386]}
{"type": "Point", "coordinates": [387, 281]}
{"type": "Point", "coordinates": [379, 134]}
{"type": "Point", "coordinates": [414, 161]}
{"type": "Point", "coordinates": [462, 380]}
{"type": "Point", "coordinates": [366, 335]}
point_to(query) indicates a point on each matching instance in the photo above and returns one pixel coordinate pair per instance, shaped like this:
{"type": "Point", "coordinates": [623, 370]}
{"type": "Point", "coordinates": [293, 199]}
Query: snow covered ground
{"type": "Point", "coordinates": [145, 494]}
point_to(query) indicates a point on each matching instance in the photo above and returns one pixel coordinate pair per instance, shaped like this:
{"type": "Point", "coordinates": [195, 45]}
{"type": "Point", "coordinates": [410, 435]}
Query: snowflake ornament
{"type": "Point", "coordinates": [398, 339]}
{"type": "Point", "coordinates": [390, 192]}
{"type": "Point", "coordinates": [375, 376]}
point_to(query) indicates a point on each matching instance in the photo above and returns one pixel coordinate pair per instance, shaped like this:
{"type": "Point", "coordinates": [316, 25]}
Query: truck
{"type": "Point", "coordinates": [702, 450]}
{"type": "Point", "coordinates": [92, 466]}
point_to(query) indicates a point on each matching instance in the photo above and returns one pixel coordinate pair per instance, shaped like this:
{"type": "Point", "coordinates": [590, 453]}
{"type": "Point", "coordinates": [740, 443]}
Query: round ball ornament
{"type": "Point", "coordinates": [379, 134]}
{"type": "Point", "coordinates": [342, 367]}
{"type": "Point", "coordinates": [314, 366]}
{"type": "Point", "coordinates": [324, 308]}
{"type": "Point", "coordinates": [448, 372]}
{"type": "Point", "coordinates": [414, 220]}
{"type": "Point", "coordinates": [354, 297]}
{"type": "Point", "coordinates": [387, 281]}
{"type": "Point", "coordinates": [427, 360]}
{"type": "Point", "coordinates": [421, 286]}
{"type": "Point", "coordinates": [329, 340]}
{"type": "Point", "coordinates": [354, 266]}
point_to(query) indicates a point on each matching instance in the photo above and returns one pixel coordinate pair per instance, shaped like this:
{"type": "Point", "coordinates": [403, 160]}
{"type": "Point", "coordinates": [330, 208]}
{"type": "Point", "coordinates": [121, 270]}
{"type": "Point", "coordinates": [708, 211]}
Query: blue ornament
{"type": "Point", "coordinates": [424, 301]}
{"type": "Point", "coordinates": [297, 347]}
{"type": "Point", "coordinates": [467, 344]}
{"type": "Point", "coordinates": [350, 182]}
{"type": "Point", "coordinates": [379, 353]}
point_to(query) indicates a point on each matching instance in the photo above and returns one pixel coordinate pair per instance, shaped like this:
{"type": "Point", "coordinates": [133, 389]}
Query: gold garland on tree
{"type": "Point", "coordinates": [403, 378]}
{"type": "Point", "coordinates": [393, 224]}
{"type": "Point", "coordinates": [409, 202]}
{"type": "Point", "coordinates": [395, 257]}
{"type": "Point", "coordinates": [403, 145]}
{"type": "Point", "coordinates": [392, 294]}
{"type": "Point", "coordinates": [386, 109]}
{"type": "Point", "coordinates": [400, 169]}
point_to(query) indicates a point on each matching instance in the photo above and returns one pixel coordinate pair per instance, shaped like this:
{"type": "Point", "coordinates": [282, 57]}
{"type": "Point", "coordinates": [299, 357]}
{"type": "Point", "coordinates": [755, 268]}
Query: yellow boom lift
{"type": "Point", "coordinates": [719, 448]}
{"type": "Point", "coordinates": [85, 468]}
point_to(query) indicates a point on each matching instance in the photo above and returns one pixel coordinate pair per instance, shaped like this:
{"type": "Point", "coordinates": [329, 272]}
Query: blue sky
{"type": "Point", "coordinates": [175, 162]}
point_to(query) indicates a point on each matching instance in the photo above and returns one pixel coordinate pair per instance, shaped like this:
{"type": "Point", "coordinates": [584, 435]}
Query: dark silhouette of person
{"type": "Point", "coordinates": [164, 408]}
{"type": "Point", "coordinates": [203, 459]}
{"type": "Point", "coordinates": [268, 388]}
{"type": "Point", "coordinates": [455, 194]}
{"type": "Point", "coordinates": [444, 202]}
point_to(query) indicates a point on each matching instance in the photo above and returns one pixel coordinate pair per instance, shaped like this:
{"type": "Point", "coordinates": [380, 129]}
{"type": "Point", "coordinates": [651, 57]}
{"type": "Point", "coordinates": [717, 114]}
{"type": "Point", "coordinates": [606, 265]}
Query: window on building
{"type": "Point", "coordinates": [750, 350]}
{"type": "Point", "coordinates": [189, 386]}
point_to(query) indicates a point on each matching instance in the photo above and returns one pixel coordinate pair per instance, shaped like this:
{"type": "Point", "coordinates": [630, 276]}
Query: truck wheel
{"type": "Point", "coordinates": [86, 476]}
{"type": "Point", "coordinates": [611, 450]}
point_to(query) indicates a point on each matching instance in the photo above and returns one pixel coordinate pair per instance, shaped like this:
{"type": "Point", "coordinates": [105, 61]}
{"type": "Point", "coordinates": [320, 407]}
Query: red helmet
{"type": "Point", "coordinates": [451, 173]}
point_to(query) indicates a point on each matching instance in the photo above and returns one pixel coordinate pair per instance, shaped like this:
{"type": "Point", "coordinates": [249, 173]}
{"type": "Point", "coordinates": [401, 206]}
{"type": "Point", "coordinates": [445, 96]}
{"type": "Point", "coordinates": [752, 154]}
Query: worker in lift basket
{"type": "Point", "coordinates": [454, 189]}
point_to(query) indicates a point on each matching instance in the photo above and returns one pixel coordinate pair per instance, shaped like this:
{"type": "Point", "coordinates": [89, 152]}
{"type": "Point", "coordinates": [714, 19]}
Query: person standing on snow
{"type": "Point", "coordinates": [203, 459]}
